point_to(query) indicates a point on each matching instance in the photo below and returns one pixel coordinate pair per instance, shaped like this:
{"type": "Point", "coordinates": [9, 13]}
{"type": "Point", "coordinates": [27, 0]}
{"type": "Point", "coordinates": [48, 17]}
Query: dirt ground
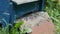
{"type": "Point", "coordinates": [39, 22]}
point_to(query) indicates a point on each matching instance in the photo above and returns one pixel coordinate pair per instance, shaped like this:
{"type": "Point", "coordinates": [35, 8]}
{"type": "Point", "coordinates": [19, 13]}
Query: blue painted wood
{"type": "Point", "coordinates": [27, 7]}
{"type": "Point", "coordinates": [8, 10]}
{"type": "Point", "coordinates": [42, 5]}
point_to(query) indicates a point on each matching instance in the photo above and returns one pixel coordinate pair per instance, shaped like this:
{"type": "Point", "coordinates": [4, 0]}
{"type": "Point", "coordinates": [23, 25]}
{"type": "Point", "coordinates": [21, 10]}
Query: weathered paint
{"type": "Point", "coordinates": [8, 10]}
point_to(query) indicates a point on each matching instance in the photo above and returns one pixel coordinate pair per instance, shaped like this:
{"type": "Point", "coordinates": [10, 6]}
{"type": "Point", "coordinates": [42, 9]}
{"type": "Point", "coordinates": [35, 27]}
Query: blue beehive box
{"type": "Point", "coordinates": [25, 8]}
{"type": "Point", "coordinates": [8, 10]}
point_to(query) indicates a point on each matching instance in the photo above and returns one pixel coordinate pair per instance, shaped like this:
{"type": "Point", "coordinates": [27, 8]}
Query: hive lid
{"type": "Point", "coordinates": [23, 1]}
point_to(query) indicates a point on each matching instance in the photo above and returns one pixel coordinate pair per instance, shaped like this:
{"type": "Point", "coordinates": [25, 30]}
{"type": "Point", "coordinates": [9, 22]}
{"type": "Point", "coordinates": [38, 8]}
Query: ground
{"type": "Point", "coordinates": [39, 22]}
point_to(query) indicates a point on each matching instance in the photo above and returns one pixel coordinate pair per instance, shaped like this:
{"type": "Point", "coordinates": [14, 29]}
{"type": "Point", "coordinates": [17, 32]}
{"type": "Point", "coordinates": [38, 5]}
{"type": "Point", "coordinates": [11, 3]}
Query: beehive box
{"type": "Point", "coordinates": [10, 9]}
{"type": "Point", "coordinates": [28, 6]}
